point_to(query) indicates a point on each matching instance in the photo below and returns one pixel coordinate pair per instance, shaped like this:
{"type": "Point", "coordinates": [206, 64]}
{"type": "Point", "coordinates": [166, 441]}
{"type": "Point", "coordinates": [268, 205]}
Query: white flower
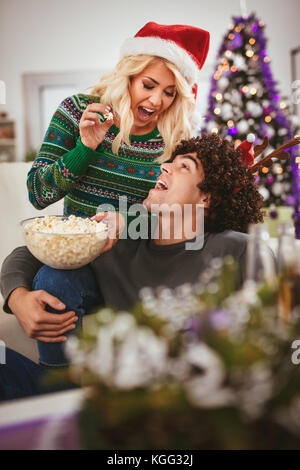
{"type": "Point", "coordinates": [141, 359]}
{"type": "Point", "coordinates": [102, 359]}
{"type": "Point", "coordinates": [256, 390]}
{"type": "Point", "coordinates": [206, 390]}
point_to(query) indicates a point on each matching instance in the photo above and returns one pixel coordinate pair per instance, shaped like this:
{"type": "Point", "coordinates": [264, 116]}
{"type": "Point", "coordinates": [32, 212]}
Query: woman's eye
{"type": "Point", "coordinates": [148, 87]}
{"type": "Point", "coordinates": [169, 94]}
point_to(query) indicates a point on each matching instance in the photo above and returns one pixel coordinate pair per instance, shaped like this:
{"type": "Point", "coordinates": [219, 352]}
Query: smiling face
{"type": "Point", "coordinates": [178, 183]}
{"type": "Point", "coordinates": [152, 91]}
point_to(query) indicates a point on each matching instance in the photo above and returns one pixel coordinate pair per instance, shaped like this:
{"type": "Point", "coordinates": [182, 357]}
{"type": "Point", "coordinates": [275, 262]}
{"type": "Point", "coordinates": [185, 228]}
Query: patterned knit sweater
{"type": "Point", "coordinates": [86, 178]}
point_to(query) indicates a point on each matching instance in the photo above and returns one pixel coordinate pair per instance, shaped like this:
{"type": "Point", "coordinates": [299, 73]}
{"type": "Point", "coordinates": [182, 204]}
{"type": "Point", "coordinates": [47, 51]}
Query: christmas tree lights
{"type": "Point", "coordinates": [244, 99]}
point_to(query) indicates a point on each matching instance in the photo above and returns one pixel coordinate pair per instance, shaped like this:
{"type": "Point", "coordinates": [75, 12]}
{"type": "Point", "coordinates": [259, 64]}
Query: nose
{"type": "Point", "coordinates": [156, 98]}
{"type": "Point", "coordinates": [166, 167]}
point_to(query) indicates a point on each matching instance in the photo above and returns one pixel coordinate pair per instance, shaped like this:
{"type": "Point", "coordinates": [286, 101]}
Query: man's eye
{"type": "Point", "coordinates": [184, 166]}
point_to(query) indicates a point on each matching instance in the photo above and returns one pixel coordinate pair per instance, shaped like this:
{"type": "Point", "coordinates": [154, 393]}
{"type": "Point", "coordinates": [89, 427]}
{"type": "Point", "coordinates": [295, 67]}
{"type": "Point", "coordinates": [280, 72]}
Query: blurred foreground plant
{"type": "Point", "coordinates": [198, 367]}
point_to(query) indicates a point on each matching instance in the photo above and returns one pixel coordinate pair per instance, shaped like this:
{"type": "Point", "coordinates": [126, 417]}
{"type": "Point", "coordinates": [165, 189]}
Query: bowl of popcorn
{"type": "Point", "coordinates": [64, 242]}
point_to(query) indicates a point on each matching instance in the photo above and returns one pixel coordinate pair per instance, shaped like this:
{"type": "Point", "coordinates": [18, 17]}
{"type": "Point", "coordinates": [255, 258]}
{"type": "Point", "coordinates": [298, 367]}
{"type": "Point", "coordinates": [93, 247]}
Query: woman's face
{"type": "Point", "coordinates": [152, 91]}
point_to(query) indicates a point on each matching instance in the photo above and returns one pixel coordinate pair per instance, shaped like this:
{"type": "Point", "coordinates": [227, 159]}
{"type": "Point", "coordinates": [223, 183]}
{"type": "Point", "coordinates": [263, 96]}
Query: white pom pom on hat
{"type": "Point", "coordinates": [251, 138]}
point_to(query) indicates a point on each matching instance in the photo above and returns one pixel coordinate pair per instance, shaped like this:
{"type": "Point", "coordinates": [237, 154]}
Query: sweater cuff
{"type": "Point", "coordinates": [9, 291]}
{"type": "Point", "coordinates": [78, 159]}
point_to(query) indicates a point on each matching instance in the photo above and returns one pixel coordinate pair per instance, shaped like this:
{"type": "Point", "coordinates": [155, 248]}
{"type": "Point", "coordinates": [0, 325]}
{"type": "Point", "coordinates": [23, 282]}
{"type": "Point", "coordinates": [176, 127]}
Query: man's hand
{"type": "Point", "coordinates": [116, 224]}
{"type": "Point", "coordinates": [30, 309]}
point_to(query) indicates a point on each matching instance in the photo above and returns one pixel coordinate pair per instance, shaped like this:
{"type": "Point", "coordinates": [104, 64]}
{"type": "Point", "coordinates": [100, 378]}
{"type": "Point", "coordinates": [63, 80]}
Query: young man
{"type": "Point", "coordinates": [205, 172]}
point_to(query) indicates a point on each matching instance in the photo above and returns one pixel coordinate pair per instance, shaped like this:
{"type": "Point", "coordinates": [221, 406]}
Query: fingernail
{"type": "Point", "coordinates": [60, 305]}
{"type": "Point", "coordinates": [107, 108]}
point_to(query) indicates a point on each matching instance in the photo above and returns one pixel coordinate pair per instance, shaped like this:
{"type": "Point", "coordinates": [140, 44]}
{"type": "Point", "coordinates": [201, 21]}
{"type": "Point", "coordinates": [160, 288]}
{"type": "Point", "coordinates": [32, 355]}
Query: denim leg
{"type": "Point", "coordinates": [20, 377]}
{"type": "Point", "coordinates": [78, 290]}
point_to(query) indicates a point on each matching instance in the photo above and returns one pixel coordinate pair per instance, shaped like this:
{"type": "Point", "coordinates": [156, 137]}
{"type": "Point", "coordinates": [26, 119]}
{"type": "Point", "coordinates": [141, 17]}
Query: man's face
{"type": "Point", "coordinates": [178, 183]}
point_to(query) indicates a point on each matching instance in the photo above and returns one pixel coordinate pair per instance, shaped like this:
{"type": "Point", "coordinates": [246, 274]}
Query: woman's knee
{"type": "Point", "coordinates": [60, 280]}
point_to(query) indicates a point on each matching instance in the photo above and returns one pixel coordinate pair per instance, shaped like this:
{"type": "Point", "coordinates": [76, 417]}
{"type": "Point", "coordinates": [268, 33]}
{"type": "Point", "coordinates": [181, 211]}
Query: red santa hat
{"type": "Point", "coordinates": [185, 46]}
{"type": "Point", "coordinates": [245, 147]}
{"type": "Point", "coordinates": [247, 157]}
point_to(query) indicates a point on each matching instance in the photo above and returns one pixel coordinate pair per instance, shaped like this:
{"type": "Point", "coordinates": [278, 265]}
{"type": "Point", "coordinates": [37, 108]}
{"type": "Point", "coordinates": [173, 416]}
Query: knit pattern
{"type": "Point", "coordinates": [86, 178]}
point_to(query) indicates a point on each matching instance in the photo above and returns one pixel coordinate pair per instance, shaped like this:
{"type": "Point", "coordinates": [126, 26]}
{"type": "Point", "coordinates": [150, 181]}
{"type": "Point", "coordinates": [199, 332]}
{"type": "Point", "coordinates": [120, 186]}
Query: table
{"type": "Point", "coordinates": [47, 422]}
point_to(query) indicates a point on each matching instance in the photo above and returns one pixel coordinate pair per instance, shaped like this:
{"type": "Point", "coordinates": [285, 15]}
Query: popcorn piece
{"type": "Point", "coordinates": [106, 117]}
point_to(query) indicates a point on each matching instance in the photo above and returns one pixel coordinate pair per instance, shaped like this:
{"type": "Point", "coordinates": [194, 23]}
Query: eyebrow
{"type": "Point", "coordinates": [156, 83]}
{"type": "Point", "coordinates": [190, 157]}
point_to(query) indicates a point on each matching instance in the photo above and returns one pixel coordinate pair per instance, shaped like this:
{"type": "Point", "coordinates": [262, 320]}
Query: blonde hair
{"type": "Point", "coordinates": [174, 124]}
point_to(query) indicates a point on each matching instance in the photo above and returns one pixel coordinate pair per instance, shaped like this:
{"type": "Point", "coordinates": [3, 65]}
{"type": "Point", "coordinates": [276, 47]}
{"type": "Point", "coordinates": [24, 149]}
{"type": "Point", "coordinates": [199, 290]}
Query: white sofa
{"type": "Point", "coordinates": [15, 206]}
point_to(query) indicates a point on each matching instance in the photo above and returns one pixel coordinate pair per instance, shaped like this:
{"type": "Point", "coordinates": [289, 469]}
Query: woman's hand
{"type": "Point", "coordinates": [116, 224]}
{"type": "Point", "coordinates": [92, 130]}
{"type": "Point", "coordinates": [30, 309]}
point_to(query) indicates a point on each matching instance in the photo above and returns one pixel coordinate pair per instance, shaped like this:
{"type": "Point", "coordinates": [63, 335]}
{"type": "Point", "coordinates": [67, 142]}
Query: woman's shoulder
{"type": "Point", "coordinates": [80, 101]}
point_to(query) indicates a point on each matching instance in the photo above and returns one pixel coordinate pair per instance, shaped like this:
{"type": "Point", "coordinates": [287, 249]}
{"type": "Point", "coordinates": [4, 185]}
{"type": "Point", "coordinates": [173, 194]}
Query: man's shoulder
{"type": "Point", "coordinates": [228, 241]}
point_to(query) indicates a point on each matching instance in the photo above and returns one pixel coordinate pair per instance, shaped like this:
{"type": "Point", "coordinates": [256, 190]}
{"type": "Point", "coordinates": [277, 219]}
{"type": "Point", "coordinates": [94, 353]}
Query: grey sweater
{"type": "Point", "coordinates": [133, 264]}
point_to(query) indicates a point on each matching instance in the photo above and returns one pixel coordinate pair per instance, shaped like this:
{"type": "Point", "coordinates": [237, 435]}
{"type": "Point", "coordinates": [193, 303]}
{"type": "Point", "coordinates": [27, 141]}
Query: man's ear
{"type": "Point", "coordinates": [205, 200]}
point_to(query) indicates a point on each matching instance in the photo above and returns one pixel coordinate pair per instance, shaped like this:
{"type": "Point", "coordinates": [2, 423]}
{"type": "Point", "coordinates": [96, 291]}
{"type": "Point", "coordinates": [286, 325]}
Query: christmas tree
{"type": "Point", "coordinates": [243, 99]}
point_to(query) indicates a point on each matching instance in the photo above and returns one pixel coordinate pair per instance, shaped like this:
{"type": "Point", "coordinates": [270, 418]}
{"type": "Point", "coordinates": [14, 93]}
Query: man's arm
{"type": "Point", "coordinates": [18, 270]}
{"type": "Point", "coordinates": [17, 274]}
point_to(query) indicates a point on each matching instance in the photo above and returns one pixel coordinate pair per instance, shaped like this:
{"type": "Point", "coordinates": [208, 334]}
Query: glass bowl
{"type": "Point", "coordinates": [63, 250]}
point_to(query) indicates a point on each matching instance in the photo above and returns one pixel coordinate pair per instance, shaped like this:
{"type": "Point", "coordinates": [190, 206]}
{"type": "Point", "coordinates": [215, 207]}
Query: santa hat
{"type": "Point", "coordinates": [185, 46]}
{"type": "Point", "coordinates": [245, 147]}
{"type": "Point", "coordinates": [247, 157]}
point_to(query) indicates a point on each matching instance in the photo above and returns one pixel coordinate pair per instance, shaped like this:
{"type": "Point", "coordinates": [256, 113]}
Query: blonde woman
{"type": "Point", "coordinates": [110, 143]}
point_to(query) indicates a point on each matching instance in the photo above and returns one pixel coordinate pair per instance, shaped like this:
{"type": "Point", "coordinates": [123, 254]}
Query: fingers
{"type": "Point", "coordinates": [56, 334]}
{"type": "Point", "coordinates": [99, 216]}
{"type": "Point", "coordinates": [50, 300]}
{"type": "Point", "coordinates": [98, 107]}
{"type": "Point", "coordinates": [98, 113]}
{"type": "Point", "coordinates": [110, 243]}
{"type": "Point", "coordinates": [56, 327]}
{"type": "Point", "coordinates": [45, 339]}
{"type": "Point", "coordinates": [55, 318]}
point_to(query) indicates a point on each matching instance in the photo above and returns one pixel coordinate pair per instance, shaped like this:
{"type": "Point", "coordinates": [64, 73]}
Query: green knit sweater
{"type": "Point", "coordinates": [86, 178]}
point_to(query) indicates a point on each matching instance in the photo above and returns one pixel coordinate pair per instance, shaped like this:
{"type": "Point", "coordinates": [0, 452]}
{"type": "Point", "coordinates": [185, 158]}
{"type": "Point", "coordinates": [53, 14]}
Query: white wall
{"type": "Point", "coordinates": [66, 35]}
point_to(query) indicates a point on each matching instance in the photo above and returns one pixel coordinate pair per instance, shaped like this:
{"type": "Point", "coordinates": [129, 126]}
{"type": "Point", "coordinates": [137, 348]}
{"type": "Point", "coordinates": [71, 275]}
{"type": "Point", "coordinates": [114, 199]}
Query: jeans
{"type": "Point", "coordinates": [78, 290]}
{"type": "Point", "coordinates": [20, 378]}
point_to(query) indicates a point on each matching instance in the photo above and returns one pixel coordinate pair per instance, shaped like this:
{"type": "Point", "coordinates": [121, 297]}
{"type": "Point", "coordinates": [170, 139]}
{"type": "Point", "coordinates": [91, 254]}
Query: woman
{"type": "Point", "coordinates": [150, 93]}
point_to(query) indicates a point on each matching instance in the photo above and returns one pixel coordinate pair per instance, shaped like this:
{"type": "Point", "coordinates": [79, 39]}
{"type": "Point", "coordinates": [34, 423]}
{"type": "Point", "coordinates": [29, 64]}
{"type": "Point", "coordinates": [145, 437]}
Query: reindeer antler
{"type": "Point", "coordinates": [277, 153]}
{"type": "Point", "coordinates": [258, 149]}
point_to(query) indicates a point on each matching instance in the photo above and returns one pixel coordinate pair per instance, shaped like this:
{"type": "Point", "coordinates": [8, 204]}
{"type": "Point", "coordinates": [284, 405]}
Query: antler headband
{"type": "Point", "coordinates": [248, 158]}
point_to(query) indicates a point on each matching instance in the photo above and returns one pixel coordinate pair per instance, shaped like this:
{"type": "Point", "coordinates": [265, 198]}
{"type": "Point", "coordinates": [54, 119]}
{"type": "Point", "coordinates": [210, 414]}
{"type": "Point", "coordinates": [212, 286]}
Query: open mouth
{"type": "Point", "coordinates": [161, 185]}
{"type": "Point", "coordinates": [145, 113]}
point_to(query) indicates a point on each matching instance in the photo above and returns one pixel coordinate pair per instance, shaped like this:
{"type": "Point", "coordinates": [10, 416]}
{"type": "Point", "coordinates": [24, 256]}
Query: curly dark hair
{"type": "Point", "coordinates": [224, 173]}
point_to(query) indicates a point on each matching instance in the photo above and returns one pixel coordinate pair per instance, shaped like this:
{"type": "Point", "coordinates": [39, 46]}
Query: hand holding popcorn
{"type": "Point", "coordinates": [94, 123]}
{"type": "Point", "coordinates": [116, 224]}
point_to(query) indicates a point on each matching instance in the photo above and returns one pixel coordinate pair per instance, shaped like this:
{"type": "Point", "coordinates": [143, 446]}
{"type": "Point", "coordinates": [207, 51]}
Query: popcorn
{"type": "Point", "coordinates": [64, 243]}
{"type": "Point", "coordinates": [106, 117]}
